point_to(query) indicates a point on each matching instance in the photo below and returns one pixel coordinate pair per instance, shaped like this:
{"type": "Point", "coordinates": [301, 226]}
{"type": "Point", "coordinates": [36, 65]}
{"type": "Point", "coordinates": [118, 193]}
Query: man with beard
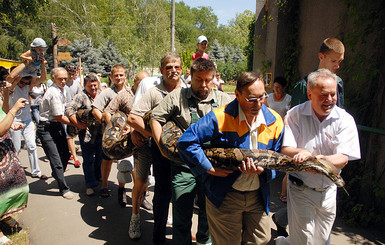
{"type": "Point", "coordinates": [185, 106]}
{"type": "Point", "coordinates": [237, 202]}
{"type": "Point", "coordinates": [90, 138]}
{"type": "Point", "coordinates": [316, 128]}
{"type": "Point", "coordinates": [171, 69]}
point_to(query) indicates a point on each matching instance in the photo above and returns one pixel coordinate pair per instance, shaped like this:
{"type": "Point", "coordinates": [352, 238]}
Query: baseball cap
{"type": "Point", "coordinates": [201, 39]}
{"type": "Point", "coordinates": [38, 42]}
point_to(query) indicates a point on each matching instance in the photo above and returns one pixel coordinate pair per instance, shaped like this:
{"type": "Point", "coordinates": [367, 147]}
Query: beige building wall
{"type": "Point", "coordinates": [319, 20]}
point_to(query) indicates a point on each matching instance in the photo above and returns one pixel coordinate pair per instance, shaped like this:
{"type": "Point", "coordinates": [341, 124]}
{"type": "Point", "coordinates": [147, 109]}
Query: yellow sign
{"type": "Point", "coordinates": [64, 56]}
{"type": "Point", "coordinates": [8, 63]}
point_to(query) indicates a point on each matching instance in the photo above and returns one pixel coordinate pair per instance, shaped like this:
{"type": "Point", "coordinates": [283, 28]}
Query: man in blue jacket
{"type": "Point", "coordinates": [237, 201]}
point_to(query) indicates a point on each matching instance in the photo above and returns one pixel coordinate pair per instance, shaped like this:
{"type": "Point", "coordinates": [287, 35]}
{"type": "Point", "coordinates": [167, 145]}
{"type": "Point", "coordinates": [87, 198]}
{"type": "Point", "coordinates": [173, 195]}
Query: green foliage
{"type": "Point", "coordinates": [139, 30]}
{"type": "Point", "coordinates": [293, 48]}
{"type": "Point", "coordinates": [364, 42]}
{"type": "Point", "coordinates": [249, 48]}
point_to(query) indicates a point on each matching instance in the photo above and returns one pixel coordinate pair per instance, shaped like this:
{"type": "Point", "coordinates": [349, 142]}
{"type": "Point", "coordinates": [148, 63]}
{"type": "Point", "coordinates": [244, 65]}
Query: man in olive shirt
{"type": "Point", "coordinates": [185, 106]}
{"type": "Point", "coordinates": [118, 78]}
{"type": "Point", "coordinates": [171, 69]}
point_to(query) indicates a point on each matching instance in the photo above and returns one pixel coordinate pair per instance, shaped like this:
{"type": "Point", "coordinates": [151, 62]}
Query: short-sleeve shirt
{"type": "Point", "coordinates": [176, 106]}
{"type": "Point", "coordinates": [198, 55]}
{"type": "Point", "coordinates": [337, 133]}
{"type": "Point", "coordinates": [145, 85]}
{"type": "Point", "coordinates": [72, 88]}
{"type": "Point", "coordinates": [52, 104]}
{"type": "Point", "coordinates": [151, 99]}
{"type": "Point", "coordinates": [24, 114]}
{"type": "Point", "coordinates": [279, 106]}
{"type": "Point", "coordinates": [122, 102]}
{"type": "Point", "coordinates": [104, 98]}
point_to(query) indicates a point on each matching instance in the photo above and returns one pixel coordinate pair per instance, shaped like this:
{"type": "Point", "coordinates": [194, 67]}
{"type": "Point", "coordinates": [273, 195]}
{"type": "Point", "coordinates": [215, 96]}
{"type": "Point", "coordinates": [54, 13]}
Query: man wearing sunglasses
{"type": "Point", "coordinates": [237, 202]}
{"type": "Point", "coordinates": [171, 69]}
{"type": "Point", "coordinates": [21, 87]}
{"type": "Point", "coordinates": [185, 106]}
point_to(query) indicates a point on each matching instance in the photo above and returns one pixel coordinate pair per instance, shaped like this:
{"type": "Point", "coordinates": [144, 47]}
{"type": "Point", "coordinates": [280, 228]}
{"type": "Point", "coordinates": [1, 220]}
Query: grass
{"type": "Point", "coordinates": [229, 87]}
{"type": "Point", "coordinates": [20, 238]}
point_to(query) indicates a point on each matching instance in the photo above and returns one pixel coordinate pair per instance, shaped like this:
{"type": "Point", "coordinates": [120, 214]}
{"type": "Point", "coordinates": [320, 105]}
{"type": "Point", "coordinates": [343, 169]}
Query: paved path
{"type": "Point", "coordinates": [51, 219]}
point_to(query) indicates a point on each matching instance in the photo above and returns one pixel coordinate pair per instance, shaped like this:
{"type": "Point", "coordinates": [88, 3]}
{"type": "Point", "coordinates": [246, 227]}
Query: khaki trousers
{"type": "Point", "coordinates": [241, 219]}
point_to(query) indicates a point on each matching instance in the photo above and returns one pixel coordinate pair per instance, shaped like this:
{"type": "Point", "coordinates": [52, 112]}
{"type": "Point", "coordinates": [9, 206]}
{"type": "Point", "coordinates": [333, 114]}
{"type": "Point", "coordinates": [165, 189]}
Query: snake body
{"type": "Point", "coordinates": [84, 116]}
{"type": "Point", "coordinates": [115, 144]}
{"type": "Point", "coordinates": [231, 158]}
{"type": "Point", "coordinates": [118, 146]}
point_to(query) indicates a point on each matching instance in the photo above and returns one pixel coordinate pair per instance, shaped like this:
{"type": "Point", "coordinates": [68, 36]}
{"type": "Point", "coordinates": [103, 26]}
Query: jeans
{"type": "Point", "coordinates": [35, 113]}
{"type": "Point", "coordinates": [162, 193]}
{"type": "Point", "coordinates": [92, 159]}
{"type": "Point", "coordinates": [54, 142]}
{"type": "Point", "coordinates": [29, 135]}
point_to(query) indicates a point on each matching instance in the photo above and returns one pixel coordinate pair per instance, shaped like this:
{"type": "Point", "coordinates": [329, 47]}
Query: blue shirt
{"type": "Point", "coordinates": [222, 128]}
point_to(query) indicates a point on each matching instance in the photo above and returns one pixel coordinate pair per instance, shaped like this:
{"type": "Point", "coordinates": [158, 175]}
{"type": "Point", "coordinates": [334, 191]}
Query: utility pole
{"type": "Point", "coordinates": [173, 26]}
{"type": "Point", "coordinates": [54, 45]}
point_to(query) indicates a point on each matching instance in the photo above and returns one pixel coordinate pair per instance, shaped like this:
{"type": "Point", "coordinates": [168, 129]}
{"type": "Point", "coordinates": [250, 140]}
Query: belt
{"type": "Point", "coordinates": [299, 182]}
{"type": "Point", "coordinates": [242, 192]}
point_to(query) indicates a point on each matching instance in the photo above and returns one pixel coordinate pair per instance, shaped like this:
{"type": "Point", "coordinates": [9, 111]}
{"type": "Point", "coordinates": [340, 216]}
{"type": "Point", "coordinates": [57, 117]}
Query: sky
{"type": "Point", "coordinates": [225, 10]}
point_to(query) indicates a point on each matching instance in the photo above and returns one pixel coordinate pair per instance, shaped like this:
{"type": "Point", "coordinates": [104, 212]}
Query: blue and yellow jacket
{"type": "Point", "coordinates": [221, 127]}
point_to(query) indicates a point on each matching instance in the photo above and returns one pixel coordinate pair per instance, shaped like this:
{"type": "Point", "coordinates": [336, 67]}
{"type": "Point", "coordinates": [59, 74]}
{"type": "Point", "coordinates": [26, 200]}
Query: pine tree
{"type": "Point", "coordinates": [111, 56]}
{"type": "Point", "coordinates": [238, 55]}
{"type": "Point", "coordinates": [217, 51]}
{"type": "Point", "coordinates": [90, 56]}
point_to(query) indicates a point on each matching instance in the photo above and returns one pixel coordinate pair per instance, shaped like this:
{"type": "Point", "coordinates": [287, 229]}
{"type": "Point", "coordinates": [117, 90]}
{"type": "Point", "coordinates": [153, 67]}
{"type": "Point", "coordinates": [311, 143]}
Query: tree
{"type": "Point", "coordinates": [217, 51]}
{"type": "Point", "coordinates": [110, 56]}
{"type": "Point", "coordinates": [90, 56]}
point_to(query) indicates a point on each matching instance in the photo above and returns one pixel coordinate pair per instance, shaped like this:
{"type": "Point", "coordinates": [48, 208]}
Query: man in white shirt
{"type": "Point", "coordinates": [316, 128]}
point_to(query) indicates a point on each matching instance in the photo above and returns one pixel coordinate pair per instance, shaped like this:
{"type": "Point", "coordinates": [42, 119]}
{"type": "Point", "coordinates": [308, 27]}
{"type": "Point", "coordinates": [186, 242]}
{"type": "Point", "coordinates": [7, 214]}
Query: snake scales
{"type": "Point", "coordinates": [117, 146]}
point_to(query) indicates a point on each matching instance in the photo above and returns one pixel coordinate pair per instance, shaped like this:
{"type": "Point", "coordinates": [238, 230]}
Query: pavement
{"type": "Point", "coordinates": [50, 219]}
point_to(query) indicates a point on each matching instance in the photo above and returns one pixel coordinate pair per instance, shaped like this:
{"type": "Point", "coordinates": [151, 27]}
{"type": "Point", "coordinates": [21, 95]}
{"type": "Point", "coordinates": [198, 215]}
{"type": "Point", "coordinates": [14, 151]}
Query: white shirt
{"type": "Point", "coordinates": [249, 182]}
{"type": "Point", "coordinates": [144, 85]}
{"type": "Point", "coordinates": [279, 106]}
{"type": "Point", "coordinates": [337, 133]}
{"type": "Point", "coordinates": [52, 104]}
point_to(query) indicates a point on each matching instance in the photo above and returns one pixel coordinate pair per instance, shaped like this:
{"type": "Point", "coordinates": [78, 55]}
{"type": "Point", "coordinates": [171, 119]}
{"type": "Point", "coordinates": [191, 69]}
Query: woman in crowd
{"type": "Point", "coordinates": [279, 100]}
{"type": "Point", "coordinates": [13, 183]}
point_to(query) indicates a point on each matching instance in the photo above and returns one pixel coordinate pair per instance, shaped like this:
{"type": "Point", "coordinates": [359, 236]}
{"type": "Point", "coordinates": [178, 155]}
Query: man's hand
{"type": "Point", "coordinates": [137, 139]}
{"type": "Point", "coordinates": [301, 156]}
{"type": "Point", "coordinates": [219, 172]}
{"type": "Point", "coordinates": [17, 126]}
{"type": "Point", "coordinates": [249, 167]}
{"type": "Point", "coordinates": [81, 125]}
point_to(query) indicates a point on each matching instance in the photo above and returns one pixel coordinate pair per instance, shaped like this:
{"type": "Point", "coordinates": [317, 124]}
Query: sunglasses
{"type": "Point", "coordinates": [252, 100]}
{"type": "Point", "coordinates": [25, 83]}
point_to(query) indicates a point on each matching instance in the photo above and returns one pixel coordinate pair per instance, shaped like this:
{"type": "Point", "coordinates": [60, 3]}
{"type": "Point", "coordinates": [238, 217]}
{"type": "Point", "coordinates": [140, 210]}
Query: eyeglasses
{"type": "Point", "coordinates": [252, 100]}
{"type": "Point", "coordinates": [25, 83]}
{"type": "Point", "coordinates": [168, 68]}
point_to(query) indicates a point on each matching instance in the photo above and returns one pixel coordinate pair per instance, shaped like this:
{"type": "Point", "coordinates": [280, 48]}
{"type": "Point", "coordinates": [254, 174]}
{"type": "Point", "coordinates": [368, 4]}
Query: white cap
{"type": "Point", "coordinates": [38, 42]}
{"type": "Point", "coordinates": [201, 39]}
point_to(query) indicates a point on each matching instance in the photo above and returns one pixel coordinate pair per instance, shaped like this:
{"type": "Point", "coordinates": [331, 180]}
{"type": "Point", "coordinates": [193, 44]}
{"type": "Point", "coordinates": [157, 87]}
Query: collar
{"type": "Point", "coordinates": [210, 98]}
{"type": "Point", "coordinates": [60, 89]}
{"type": "Point", "coordinates": [258, 122]}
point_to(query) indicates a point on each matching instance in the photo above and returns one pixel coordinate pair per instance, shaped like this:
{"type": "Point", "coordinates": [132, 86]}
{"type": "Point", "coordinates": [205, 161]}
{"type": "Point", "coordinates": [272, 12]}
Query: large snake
{"type": "Point", "coordinates": [231, 158]}
{"type": "Point", "coordinates": [117, 146]}
{"type": "Point", "coordinates": [84, 116]}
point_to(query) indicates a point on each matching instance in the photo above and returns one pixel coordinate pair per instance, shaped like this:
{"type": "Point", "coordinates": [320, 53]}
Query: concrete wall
{"type": "Point", "coordinates": [319, 20]}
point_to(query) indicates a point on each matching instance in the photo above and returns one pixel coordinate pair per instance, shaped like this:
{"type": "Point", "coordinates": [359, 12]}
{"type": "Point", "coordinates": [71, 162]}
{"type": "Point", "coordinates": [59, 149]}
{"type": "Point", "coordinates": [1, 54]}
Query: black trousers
{"type": "Point", "coordinates": [162, 193]}
{"type": "Point", "coordinates": [54, 142]}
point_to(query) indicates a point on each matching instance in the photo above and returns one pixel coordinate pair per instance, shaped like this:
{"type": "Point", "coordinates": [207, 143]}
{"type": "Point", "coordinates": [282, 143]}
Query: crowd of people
{"type": "Point", "coordinates": [233, 206]}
